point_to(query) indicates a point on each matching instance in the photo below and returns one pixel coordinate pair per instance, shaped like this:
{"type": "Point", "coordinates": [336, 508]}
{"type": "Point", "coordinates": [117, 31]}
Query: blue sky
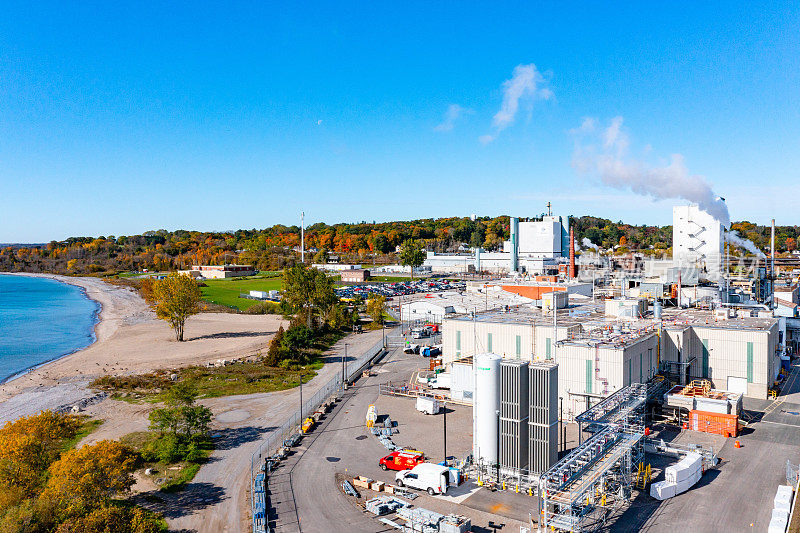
{"type": "Point", "coordinates": [119, 119]}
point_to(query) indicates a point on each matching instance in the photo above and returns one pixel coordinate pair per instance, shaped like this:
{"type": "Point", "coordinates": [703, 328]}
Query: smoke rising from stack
{"type": "Point", "coordinates": [605, 153]}
{"type": "Point", "coordinates": [589, 244]}
{"type": "Point", "coordinates": [734, 238]}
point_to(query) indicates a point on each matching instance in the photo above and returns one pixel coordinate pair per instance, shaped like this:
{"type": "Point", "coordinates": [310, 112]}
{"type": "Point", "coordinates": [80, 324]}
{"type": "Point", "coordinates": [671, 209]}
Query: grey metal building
{"type": "Point", "coordinates": [542, 415]}
{"type": "Point", "coordinates": [514, 415]}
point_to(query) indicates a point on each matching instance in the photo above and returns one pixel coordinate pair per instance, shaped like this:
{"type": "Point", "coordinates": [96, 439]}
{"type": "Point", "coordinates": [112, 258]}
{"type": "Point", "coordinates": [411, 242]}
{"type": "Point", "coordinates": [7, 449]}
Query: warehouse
{"type": "Point", "coordinates": [740, 354]}
{"type": "Point", "coordinates": [436, 306]}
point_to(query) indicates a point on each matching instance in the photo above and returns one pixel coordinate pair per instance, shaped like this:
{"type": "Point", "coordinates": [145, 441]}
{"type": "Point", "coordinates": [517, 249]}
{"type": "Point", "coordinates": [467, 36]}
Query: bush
{"type": "Point", "coordinates": [264, 308]}
{"type": "Point", "coordinates": [298, 337]}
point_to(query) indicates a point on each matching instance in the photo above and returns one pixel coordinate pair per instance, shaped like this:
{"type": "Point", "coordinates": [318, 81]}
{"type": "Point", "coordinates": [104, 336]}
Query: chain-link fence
{"type": "Point", "coordinates": [276, 438]}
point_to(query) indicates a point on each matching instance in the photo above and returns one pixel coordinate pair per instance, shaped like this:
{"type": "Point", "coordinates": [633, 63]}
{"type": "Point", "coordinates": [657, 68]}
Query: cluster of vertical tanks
{"type": "Point", "coordinates": [515, 414]}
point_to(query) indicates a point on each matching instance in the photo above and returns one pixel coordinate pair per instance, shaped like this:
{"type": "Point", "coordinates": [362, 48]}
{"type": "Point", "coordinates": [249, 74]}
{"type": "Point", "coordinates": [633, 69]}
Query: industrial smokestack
{"type": "Point", "coordinates": [772, 267]}
{"type": "Point", "coordinates": [571, 274]}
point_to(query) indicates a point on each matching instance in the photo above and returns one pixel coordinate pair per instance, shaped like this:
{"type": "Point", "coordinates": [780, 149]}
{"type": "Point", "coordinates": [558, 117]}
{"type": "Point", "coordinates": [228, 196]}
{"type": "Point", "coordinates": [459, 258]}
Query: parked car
{"type": "Point", "coordinates": [426, 476]}
{"type": "Point", "coordinates": [401, 460]}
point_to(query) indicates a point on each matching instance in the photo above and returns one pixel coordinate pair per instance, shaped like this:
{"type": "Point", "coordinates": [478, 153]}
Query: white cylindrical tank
{"type": "Point", "coordinates": [485, 407]}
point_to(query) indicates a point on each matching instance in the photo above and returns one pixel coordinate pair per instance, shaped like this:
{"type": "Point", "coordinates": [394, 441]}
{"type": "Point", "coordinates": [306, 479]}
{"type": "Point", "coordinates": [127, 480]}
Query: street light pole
{"type": "Point", "coordinates": [301, 398]}
{"type": "Point", "coordinates": [444, 431]}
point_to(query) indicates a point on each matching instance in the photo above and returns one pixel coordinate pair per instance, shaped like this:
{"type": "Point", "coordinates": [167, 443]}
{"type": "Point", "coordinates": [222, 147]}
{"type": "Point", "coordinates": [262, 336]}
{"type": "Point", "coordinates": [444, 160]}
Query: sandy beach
{"type": "Point", "coordinates": [130, 340]}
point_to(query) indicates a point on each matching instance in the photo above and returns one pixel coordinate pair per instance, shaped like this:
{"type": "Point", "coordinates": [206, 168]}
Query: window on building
{"type": "Point", "coordinates": [630, 371]}
{"type": "Point", "coordinates": [589, 377]}
{"type": "Point", "coordinates": [650, 362]}
{"type": "Point", "coordinates": [705, 358]}
{"type": "Point", "coordinates": [547, 350]}
{"type": "Point", "coordinates": [519, 346]}
{"type": "Point", "coordinates": [488, 342]}
{"type": "Point", "coordinates": [749, 362]}
{"type": "Point", "coordinates": [458, 342]}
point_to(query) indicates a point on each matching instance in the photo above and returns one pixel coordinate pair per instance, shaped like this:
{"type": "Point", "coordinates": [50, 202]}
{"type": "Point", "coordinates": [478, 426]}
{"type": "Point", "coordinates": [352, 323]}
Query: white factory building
{"type": "Point", "coordinates": [534, 247]}
{"type": "Point", "coordinates": [436, 306]}
{"type": "Point", "coordinates": [598, 354]}
{"type": "Point", "coordinates": [697, 240]}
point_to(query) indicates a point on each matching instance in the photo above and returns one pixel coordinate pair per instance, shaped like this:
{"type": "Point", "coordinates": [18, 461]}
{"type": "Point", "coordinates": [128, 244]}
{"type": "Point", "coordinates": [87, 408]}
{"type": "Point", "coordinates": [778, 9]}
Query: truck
{"type": "Point", "coordinates": [425, 476]}
{"type": "Point", "coordinates": [403, 460]}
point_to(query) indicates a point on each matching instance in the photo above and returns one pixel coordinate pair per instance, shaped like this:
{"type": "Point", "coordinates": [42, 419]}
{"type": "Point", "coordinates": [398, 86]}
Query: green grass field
{"type": "Point", "coordinates": [227, 291]}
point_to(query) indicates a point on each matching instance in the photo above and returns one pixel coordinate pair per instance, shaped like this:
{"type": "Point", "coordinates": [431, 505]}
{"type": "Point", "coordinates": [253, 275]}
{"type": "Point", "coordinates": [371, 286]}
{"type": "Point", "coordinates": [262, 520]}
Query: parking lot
{"type": "Point", "coordinates": [399, 288]}
{"type": "Point", "coordinates": [306, 495]}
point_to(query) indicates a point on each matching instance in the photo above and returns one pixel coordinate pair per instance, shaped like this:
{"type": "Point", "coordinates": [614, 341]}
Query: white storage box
{"type": "Point", "coordinates": [662, 490]}
{"type": "Point", "coordinates": [777, 525]}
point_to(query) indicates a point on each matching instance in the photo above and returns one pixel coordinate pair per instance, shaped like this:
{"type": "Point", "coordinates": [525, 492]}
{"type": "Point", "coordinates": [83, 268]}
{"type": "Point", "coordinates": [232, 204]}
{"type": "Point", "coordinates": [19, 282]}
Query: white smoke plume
{"type": "Point", "coordinates": [526, 83]}
{"type": "Point", "coordinates": [734, 238]}
{"type": "Point", "coordinates": [605, 152]}
{"type": "Point", "coordinates": [589, 244]}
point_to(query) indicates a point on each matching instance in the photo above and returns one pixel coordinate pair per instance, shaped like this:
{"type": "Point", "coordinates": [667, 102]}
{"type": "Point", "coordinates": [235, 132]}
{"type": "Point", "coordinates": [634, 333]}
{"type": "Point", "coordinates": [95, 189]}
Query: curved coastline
{"type": "Point", "coordinates": [97, 318]}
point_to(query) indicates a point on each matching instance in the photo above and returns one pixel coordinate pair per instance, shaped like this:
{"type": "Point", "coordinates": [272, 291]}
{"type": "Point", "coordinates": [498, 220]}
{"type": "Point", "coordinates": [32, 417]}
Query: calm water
{"type": "Point", "coordinates": [41, 320]}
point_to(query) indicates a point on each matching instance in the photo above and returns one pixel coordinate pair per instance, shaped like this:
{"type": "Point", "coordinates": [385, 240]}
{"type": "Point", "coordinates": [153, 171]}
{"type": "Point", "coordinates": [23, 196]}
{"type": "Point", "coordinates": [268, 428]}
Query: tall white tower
{"type": "Point", "coordinates": [697, 240]}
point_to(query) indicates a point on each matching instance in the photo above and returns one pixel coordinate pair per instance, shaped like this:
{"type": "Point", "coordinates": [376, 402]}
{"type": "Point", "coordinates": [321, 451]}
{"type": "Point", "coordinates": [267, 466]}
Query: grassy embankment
{"type": "Point", "coordinates": [175, 475]}
{"type": "Point", "coordinates": [242, 377]}
{"type": "Point", "coordinates": [226, 291]}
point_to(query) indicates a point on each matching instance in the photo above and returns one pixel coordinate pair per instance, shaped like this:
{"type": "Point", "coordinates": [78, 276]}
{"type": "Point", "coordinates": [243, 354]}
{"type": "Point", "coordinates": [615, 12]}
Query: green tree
{"type": "Point", "coordinates": [376, 305]}
{"type": "Point", "coordinates": [274, 351]}
{"type": "Point", "coordinates": [308, 292]}
{"type": "Point", "coordinates": [176, 298]}
{"type": "Point", "coordinates": [411, 254]}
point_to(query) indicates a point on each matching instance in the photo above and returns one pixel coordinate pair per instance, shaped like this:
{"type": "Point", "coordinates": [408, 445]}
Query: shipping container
{"type": "Point", "coordinates": [716, 423]}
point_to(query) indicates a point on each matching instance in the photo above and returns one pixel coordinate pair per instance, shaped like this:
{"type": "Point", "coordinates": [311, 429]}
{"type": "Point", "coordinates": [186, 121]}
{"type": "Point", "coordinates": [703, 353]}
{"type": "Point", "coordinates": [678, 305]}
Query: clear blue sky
{"type": "Point", "coordinates": [118, 119]}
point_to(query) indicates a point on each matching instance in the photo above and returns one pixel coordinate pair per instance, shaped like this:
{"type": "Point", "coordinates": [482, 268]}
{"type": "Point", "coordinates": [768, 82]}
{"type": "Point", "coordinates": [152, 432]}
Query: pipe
{"type": "Point", "coordinates": [571, 274]}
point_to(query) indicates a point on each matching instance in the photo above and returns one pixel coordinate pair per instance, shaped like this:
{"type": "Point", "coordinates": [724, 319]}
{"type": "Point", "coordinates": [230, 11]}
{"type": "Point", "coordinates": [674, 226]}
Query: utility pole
{"type": "Point", "coordinates": [302, 237]}
{"type": "Point", "coordinates": [444, 431]}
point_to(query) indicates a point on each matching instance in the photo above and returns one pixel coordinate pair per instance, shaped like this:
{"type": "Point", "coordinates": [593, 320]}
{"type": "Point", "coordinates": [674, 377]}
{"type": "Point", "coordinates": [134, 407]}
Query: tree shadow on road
{"type": "Point", "coordinates": [192, 498]}
{"type": "Point", "coordinates": [229, 438]}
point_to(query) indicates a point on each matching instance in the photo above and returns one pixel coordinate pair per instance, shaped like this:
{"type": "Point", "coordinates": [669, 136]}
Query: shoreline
{"type": "Point", "coordinates": [97, 319]}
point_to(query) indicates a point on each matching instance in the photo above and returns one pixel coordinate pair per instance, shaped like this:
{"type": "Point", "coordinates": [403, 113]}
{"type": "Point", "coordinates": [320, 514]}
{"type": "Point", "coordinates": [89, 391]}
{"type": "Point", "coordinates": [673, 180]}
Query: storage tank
{"type": "Point", "coordinates": [486, 406]}
{"type": "Point", "coordinates": [657, 310]}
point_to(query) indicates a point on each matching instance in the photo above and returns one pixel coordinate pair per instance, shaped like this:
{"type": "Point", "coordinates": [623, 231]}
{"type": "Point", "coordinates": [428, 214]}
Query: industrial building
{"type": "Point", "coordinates": [219, 271]}
{"type": "Point", "coordinates": [599, 353]}
{"type": "Point", "coordinates": [536, 246]}
{"type": "Point", "coordinates": [435, 307]}
{"type": "Point", "coordinates": [697, 239]}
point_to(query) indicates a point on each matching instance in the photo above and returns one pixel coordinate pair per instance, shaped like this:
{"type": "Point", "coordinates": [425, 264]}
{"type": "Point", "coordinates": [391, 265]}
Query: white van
{"type": "Point", "coordinates": [426, 476]}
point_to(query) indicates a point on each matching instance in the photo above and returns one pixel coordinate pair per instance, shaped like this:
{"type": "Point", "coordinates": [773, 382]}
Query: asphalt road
{"type": "Point", "coordinates": [217, 498]}
{"type": "Point", "coordinates": [304, 491]}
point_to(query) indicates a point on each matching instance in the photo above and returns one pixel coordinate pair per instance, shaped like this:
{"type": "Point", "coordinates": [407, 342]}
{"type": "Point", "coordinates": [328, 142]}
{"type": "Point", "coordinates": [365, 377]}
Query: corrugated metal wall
{"type": "Point", "coordinates": [514, 415]}
{"type": "Point", "coordinates": [543, 416]}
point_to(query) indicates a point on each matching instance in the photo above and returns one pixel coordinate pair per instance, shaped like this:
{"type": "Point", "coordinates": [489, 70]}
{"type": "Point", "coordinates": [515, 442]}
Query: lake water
{"type": "Point", "coordinates": [41, 320]}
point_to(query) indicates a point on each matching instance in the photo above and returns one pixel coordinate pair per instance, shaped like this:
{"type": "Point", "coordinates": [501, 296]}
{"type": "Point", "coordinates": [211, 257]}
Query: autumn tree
{"type": "Point", "coordinates": [791, 244]}
{"type": "Point", "coordinates": [87, 478]}
{"type": "Point", "coordinates": [176, 298]}
{"type": "Point", "coordinates": [411, 254]}
{"type": "Point", "coordinates": [376, 305]}
{"type": "Point", "coordinates": [27, 447]}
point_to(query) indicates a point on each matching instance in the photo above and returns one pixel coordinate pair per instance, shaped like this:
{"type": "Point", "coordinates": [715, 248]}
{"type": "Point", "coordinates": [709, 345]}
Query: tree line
{"type": "Point", "coordinates": [276, 247]}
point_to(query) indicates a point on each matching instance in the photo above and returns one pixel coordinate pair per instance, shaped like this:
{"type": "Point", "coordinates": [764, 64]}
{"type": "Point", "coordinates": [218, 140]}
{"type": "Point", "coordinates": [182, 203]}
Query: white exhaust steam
{"type": "Point", "coordinates": [604, 152]}
{"type": "Point", "coordinates": [734, 238]}
{"type": "Point", "coordinates": [589, 244]}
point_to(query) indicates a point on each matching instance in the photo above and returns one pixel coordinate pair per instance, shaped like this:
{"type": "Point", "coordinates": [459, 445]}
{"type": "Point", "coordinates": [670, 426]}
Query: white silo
{"type": "Point", "coordinates": [485, 407]}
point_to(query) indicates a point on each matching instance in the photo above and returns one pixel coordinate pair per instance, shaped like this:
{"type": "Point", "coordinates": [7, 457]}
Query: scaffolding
{"type": "Point", "coordinates": [624, 406]}
{"type": "Point", "coordinates": [585, 488]}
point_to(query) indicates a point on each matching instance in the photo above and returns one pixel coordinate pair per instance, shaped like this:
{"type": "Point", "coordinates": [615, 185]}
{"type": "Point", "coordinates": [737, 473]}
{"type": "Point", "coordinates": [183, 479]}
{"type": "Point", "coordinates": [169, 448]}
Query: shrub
{"type": "Point", "coordinates": [264, 308]}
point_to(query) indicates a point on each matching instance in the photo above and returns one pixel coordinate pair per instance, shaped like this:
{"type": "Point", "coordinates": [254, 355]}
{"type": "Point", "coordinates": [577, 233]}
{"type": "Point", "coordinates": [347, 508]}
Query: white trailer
{"type": "Point", "coordinates": [429, 406]}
